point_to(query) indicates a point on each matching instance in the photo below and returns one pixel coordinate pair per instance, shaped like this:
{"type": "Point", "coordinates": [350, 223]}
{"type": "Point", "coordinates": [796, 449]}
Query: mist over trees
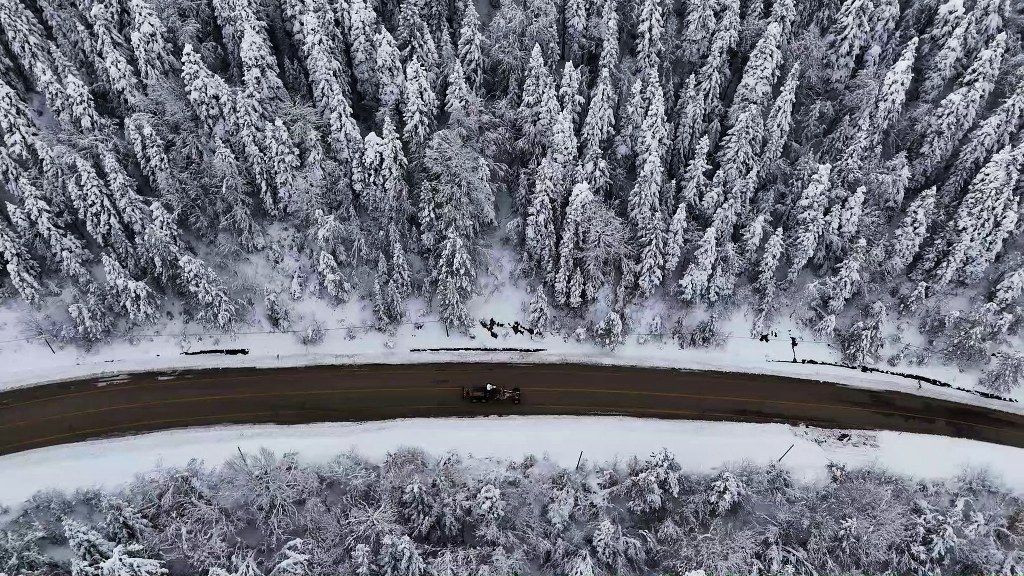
{"type": "Point", "coordinates": [854, 163]}
{"type": "Point", "coordinates": [417, 515]}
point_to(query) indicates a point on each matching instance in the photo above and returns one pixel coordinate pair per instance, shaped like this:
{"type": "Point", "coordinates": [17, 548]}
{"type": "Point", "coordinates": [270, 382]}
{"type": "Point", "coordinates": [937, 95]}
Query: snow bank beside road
{"type": "Point", "coordinates": [699, 446]}
{"type": "Point", "coordinates": [352, 340]}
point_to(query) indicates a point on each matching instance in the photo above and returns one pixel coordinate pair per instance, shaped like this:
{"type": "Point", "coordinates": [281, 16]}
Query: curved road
{"type": "Point", "coordinates": [70, 411]}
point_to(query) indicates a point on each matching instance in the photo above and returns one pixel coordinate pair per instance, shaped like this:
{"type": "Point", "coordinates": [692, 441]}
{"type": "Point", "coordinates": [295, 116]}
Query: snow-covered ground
{"type": "Point", "coordinates": [350, 338]}
{"type": "Point", "coordinates": [699, 446]}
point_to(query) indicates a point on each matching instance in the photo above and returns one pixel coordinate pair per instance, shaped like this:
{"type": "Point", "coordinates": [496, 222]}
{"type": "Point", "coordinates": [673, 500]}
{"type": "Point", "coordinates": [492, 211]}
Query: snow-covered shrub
{"type": "Point", "coordinates": [1004, 374]}
{"type": "Point", "coordinates": [539, 313]}
{"type": "Point", "coordinates": [313, 334]}
{"type": "Point", "coordinates": [91, 321]}
{"type": "Point", "coordinates": [704, 334]}
{"type": "Point", "coordinates": [608, 332]}
{"type": "Point", "coordinates": [278, 313]}
{"type": "Point", "coordinates": [725, 493]}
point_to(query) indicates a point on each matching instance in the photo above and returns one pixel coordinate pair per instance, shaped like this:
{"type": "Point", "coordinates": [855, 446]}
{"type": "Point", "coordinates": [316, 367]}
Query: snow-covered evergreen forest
{"type": "Point", "coordinates": [415, 515]}
{"type": "Point", "coordinates": [853, 165]}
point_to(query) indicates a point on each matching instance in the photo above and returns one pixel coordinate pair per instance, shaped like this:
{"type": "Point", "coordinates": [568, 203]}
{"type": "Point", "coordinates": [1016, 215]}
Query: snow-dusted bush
{"type": "Point", "coordinates": [1004, 374]}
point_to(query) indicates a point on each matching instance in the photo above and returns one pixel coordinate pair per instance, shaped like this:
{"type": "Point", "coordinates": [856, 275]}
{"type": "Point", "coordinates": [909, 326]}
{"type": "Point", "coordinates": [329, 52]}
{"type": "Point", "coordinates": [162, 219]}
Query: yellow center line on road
{"type": "Point", "coordinates": [576, 408]}
{"type": "Point", "coordinates": [225, 397]}
{"type": "Point", "coordinates": [788, 403]}
{"type": "Point", "coordinates": [130, 427]}
{"type": "Point", "coordinates": [100, 387]}
{"type": "Point", "coordinates": [619, 409]}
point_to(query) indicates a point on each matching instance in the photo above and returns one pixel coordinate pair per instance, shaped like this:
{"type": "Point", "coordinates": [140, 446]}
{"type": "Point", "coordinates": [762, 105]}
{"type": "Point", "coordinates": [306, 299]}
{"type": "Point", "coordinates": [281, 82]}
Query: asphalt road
{"type": "Point", "coordinates": [71, 411]}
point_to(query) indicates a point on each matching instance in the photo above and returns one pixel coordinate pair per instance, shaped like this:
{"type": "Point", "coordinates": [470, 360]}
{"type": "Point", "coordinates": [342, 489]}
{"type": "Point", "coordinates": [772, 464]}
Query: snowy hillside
{"type": "Point", "coordinates": [849, 170]}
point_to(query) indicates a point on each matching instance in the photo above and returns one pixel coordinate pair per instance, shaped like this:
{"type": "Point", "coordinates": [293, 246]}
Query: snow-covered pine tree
{"type": "Point", "coordinates": [200, 282]}
{"type": "Point", "coordinates": [694, 283]}
{"type": "Point", "coordinates": [320, 47]}
{"type": "Point", "coordinates": [989, 23]}
{"type": "Point", "coordinates": [399, 556]}
{"type": "Point", "coordinates": [957, 111]}
{"type": "Point", "coordinates": [161, 240]}
{"type": "Point", "coordinates": [249, 126]}
{"type": "Point", "coordinates": [609, 32]}
{"type": "Point", "coordinates": [416, 39]}
{"type": "Point", "coordinates": [712, 76]}
{"type": "Point", "coordinates": [28, 41]}
{"type": "Point", "coordinates": [539, 230]}
{"type": "Point", "coordinates": [948, 15]}
{"type": "Point", "coordinates": [131, 297]}
{"type": "Point", "coordinates": [457, 96]}
{"type": "Point", "coordinates": [650, 32]}
{"type": "Point", "coordinates": [991, 134]}
{"type": "Point", "coordinates": [765, 283]}
{"type": "Point", "coordinates": [390, 75]}
{"type": "Point", "coordinates": [983, 221]}
{"type": "Point", "coordinates": [837, 289]}
{"type": "Point", "coordinates": [699, 26]}
{"type": "Point", "coordinates": [570, 93]}
{"type": "Point", "coordinates": [207, 92]}
{"type": "Point", "coordinates": [538, 109]}
{"type": "Point", "coordinates": [78, 108]}
{"type": "Point", "coordinates": [94, 206]}
{"type": "Point", "coordinates": [695, 184]}
{"type": "Point", "coordinates": [576, 21]}
{"type": "Point", "coordinates": [842, 223]}
{"type": "Point", "coordinates": [386, 195]}
{"type": "Point", "coordinates": [947, 62]}
{"type": "Point", "coordinates": [598, 128]}
{"type": "Point", "coordinates": [884, 22]}
{"type": "Point", "coordinates": [400, 282]}
{"type": "Point", "coordinates": [148, 38]}
{"type": "Point", "coordinates": [419, 105]}
{"type": "Point", "coordinates": [129, 204]}
{"type": "Point", "coordinates": [36, 217]}
{"type": "Point", "coordinates": [893, 91]}
{"type": "Point", "coordinates": [150, 152]}
{"type": "Point", "coordinates": [15, 125]}
{"type": "Point", "coordinates": [469, 46]}
{"type": "Point", "coordinates": [22, 270]}
{"type": "Point", "coordinates": [456, 203]}
{"type": "Point", "coordinates": [675, 242]}
{"type": "Point", "coordinates": [809, 219]}
{"type": "Point", "coordinates": [752, 236]}
{"type": "Point", "coordinates": [687, 125]}
{"type": "Point", "coordinates": [908, 237]}
{"type": "Point", "coordinates": [381, 305]}
{"type": "Point", "coordinates": [1008, 290]}
{"type": "Point", "coordinates": [644, 202]}
{"type": "Point", "coordinates": [362, 32]}
{"type": "Point", "coordinates": [569, 286]}
{"type": "Point", "coordinates": [283, 160]}
{"type": "Point", "coordinates": [737, 155]}
{"type": "Point", "coordinates": [760, 72]}
{"type": "Point", "coordinates": [848, 36]}
{"type": "Point", "coordinates": [122, 78]}
{"type": "Point", "coordinates": [454, 279]}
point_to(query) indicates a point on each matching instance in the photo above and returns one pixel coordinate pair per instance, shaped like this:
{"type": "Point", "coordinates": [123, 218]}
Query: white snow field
{"type": "Point", "coordinates": [698, 446]}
